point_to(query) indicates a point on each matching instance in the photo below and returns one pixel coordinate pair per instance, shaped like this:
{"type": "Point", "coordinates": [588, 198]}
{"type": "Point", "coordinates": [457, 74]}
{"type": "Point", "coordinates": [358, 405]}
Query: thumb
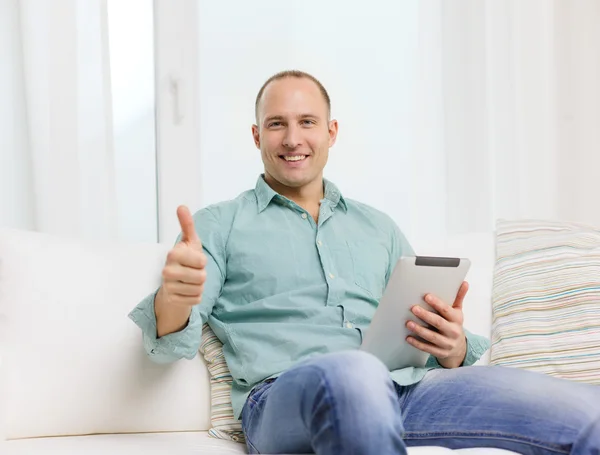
{"type": "Point", "coordinates": [188, 230]}
{"type": "Point", "coordinates": [460, 297]}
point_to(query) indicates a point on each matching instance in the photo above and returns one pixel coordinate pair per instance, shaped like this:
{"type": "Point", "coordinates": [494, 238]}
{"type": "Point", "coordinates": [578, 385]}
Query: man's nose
{"type": "Point", "coordinates": [292, 138]}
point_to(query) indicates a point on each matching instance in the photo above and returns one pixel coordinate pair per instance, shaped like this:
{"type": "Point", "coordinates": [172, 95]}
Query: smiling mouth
{"type": "Point", "coordinates": [295, 158]}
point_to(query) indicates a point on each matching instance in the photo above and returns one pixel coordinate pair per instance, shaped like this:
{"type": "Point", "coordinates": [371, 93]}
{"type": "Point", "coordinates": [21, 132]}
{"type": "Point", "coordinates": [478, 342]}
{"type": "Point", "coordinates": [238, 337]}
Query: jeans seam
{"type": "Point", "coordinates": [255, 403]}
{"type": "Point", "coordinates": [246, 433]}
{"type": "Point", "coordinates": [251, 445]}
{"type": "Point", "coordinates": [418, 435]}
{"type": "Point", "coordinates": [334, 412]}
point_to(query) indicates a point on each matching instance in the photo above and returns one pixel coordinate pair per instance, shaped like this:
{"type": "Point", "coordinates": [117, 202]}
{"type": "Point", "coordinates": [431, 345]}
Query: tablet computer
{"type": "Point", "coordinates": [412, 278]}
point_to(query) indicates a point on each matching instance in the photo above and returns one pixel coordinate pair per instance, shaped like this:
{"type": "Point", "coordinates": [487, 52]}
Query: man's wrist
{"type": "Point", "coordinates": [455, 361]}
{"type": "Point", "coordinates": [169, 319]}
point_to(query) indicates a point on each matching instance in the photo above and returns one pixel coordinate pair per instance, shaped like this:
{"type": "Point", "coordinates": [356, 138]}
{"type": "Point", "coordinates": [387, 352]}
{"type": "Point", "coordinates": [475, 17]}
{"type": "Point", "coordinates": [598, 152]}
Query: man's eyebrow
{"type": "Point", "coordinates": [273, 117]}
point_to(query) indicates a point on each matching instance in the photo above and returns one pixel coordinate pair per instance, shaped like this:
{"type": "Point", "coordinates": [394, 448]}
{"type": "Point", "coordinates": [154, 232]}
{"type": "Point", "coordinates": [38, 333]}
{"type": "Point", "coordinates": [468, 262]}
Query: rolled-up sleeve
{"type": "Point", "coordinates": [476, 347]}
{"type": "Point", "coordinates": [185, 343]}
{"type": "Point", "coordinates": [171, 347]}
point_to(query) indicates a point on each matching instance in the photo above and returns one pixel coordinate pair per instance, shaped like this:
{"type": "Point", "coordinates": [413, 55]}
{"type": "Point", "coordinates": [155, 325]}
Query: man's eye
{"type": "Point", "coordinates": [274, 124]}
{"type": "Point", "coordinates": [308, 122]}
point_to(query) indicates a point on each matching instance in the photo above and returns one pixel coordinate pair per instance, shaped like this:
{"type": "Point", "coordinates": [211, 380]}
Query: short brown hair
{"type": "Point", "coordinates": [292, 73]}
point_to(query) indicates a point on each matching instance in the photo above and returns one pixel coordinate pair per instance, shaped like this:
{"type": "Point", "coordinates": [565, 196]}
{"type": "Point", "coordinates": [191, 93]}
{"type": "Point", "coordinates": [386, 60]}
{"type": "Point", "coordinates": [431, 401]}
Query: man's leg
{"type": "Point", "coordinates": [501, 407]}
{"type": "Point", "coordinates": [341, 403]}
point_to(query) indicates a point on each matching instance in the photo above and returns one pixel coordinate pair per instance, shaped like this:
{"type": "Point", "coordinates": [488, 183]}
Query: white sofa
{"type": "Point", "coordinates": [75, 378]}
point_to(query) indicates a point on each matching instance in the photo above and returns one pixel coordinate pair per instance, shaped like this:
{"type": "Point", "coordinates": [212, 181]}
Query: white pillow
{"type": "Point", "coordinates": [74, 362]}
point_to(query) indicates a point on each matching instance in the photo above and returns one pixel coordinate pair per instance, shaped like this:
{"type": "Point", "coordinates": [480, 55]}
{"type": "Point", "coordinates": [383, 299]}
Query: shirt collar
{"type": "Point", "coordinates": [332, 194]}
{"type": "Point", "coordinates": [265, 194]}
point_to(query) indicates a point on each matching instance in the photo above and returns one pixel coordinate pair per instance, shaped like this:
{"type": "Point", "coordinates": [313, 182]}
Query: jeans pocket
{"type": "Point", "coordinates": [257, 393]}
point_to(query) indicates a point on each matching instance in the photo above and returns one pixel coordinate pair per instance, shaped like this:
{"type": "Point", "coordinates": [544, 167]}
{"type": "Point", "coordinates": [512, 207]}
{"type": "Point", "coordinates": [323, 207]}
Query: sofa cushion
{"type": "Point", "coordinates": [546, 299]}
{"type": "Point", "coordinates": [192, 443]}
{"type": "Point", "coordinates": [74, 363]}
{"type": "Point", "coordinates": [187, 443]}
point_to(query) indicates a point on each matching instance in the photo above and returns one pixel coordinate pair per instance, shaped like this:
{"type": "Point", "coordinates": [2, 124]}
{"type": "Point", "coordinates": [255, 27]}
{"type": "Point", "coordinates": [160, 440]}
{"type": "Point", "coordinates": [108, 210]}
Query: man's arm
{"type": "Point", "coordinates": [171, 318]}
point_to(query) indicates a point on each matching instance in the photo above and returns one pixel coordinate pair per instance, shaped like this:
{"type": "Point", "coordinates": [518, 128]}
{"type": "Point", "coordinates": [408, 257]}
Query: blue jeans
{"type": "Point", "coordinates": [346, 403]}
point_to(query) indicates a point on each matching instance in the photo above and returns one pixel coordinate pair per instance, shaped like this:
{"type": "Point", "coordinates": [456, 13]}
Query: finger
{"type": "Point", "coordinates": [430, 318]}
{"type": "Point", "coordinates": [188, 230]}
{"type": "Point", "coordinates": [445, 311]}
{"type": "Point", "coordinates": [426, 347]}
{"type": "Point", "coordinates": [187, 257]}
{"type": "Point", "coordinates": [185, 289]}
{"type": "Point", "coordinates": [186, 300]}
{"type": "Point", "coordinates": [435, 338]}
{"type": "Point", "coordinates": [460, 297]}
{"type": "Point", "coordinates": [177, 272]}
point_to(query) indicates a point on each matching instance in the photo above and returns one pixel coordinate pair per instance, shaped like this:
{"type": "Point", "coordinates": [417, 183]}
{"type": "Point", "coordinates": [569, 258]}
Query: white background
{"type": "Point", "coordinates": [452, 114]}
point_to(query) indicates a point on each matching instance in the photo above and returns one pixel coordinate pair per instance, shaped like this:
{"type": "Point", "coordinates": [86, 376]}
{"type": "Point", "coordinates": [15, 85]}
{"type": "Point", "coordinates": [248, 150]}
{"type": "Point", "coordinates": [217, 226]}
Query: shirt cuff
{"type": "Point", "coordinates": [476, 347]}
{"type": "Point", "coordinates": [171, 347]}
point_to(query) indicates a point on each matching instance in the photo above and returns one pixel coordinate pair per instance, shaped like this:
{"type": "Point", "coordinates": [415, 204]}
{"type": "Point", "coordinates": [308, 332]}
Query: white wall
{"type": "Point", "coordinates": [358, 50]}
{"type": "Point", "coordinates": [452, 114]}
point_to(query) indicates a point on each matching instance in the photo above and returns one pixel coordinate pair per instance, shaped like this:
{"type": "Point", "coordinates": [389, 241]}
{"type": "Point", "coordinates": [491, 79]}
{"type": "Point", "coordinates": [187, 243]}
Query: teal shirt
{"type": "Point", "coordinates": [281, 288]}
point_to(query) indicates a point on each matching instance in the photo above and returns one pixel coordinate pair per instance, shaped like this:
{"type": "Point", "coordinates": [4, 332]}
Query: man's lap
{"type": "Point", "coordinates": [463, 407]}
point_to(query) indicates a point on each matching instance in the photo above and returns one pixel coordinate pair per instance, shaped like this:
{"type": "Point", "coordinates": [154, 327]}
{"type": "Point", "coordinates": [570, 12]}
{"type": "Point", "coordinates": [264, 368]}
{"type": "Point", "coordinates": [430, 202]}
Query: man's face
{"type": "Point", "coordinates": [294, 132]}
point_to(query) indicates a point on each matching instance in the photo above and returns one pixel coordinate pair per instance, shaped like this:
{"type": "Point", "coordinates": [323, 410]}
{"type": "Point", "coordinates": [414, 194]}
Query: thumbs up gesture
{"type": "Point", "coordinates": [184, 273]}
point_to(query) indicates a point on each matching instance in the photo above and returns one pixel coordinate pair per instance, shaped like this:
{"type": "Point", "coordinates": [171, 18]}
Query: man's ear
{"type": "Point", "coordinates": [333, 132]}
{"type": "Point", "coordinates": [256, 135]}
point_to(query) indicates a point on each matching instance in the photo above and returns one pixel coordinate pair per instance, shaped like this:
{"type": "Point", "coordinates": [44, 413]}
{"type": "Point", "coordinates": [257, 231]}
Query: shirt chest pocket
{"type": "Point", "coordinates": [369, 265]}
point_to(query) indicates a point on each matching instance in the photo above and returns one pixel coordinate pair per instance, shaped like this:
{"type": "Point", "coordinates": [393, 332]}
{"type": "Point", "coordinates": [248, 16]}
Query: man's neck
{"type": "Point", "coordinates": [309, 195]}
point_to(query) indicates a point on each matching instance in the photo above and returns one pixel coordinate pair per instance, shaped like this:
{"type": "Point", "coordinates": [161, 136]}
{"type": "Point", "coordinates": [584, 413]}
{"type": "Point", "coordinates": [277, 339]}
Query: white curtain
{"type": "Point", "coordinates": [508, 117]}
{"type": "Point", "coordinates": [57, 155]}
{"type": "Point", "coordinates": [78, 126]}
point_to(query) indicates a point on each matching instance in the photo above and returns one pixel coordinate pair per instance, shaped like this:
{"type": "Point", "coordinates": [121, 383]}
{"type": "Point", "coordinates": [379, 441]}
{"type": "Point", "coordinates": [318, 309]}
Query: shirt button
{"type": "Point", "coordinates": [349, 324]}
{"type": "Point", "coordinates": [320, 243]}
{"type": "Point", "coordinates": [304, 215]}
{"type": "Point", "coordinates": [332, 276]}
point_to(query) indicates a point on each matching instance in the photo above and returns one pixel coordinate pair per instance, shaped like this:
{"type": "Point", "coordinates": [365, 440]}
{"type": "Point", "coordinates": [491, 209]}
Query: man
{"type": "Point", "coordinates": [289, 274]}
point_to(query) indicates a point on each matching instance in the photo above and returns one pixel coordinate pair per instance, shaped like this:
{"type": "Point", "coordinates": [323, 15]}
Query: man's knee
{"type": "Point", "coordinates": [351, 372]}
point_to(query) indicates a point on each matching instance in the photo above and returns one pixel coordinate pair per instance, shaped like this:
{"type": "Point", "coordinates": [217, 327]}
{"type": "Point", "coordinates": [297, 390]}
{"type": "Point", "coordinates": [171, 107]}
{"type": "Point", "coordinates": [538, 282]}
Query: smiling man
{"type": "Point", "coordinates": [289, 275]}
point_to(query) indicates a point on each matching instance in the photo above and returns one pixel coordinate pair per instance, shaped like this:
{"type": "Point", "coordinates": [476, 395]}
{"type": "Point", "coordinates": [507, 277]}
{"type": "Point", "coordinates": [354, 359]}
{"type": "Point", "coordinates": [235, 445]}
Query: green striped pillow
{"type": "Point", "coordinates": [223, 423]}
{"type": "Point", "coordinates": [546, 299]}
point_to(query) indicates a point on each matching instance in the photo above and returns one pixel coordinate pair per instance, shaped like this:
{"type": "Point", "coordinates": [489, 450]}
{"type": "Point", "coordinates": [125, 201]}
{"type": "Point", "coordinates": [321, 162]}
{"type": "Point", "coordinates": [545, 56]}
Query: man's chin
{"type": "Point", "coordinates": [292, 181]}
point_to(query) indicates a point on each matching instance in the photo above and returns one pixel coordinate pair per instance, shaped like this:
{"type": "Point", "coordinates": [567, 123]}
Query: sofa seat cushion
{"type": "Point", "coordinates": [188, 443]}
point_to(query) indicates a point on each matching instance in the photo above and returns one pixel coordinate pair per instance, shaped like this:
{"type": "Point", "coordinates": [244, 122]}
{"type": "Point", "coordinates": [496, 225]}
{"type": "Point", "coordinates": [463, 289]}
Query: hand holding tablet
{"type": "Point", "coordinates": [445, 337]}
{"type": "Point", "coordinates": [438, 330]}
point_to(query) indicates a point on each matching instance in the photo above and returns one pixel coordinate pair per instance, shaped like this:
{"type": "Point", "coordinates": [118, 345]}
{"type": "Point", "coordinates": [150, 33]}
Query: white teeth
{"type": "Point", "coordinates": [294, 158]}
